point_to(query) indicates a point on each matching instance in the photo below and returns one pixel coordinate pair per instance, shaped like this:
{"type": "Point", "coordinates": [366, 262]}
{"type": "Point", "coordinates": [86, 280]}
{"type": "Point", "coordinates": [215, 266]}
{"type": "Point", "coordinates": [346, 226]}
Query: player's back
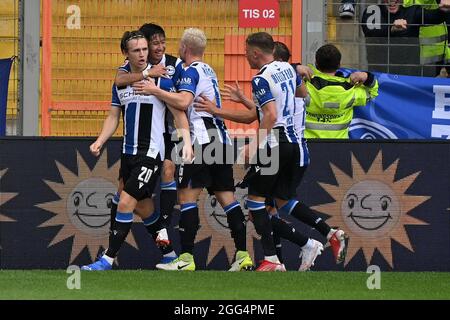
{"type": "Point", "coordinates": [204, 82]}
{"type": "Point", "coordinates": [201, 80]}
{"type": "Point", "coordinates": [277, 81]}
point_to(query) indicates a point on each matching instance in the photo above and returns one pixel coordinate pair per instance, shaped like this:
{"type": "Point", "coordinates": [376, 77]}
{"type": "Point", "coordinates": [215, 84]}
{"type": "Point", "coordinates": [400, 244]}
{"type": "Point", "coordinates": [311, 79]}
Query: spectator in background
{"type": "Point", "coordinates": [433, 39]}
{"type": "Point", "coordinates": [398, 26]}
{"type": "Point", "coordinates": [347, 9]}
{"type": "Point", "coordinates": [329, 110]}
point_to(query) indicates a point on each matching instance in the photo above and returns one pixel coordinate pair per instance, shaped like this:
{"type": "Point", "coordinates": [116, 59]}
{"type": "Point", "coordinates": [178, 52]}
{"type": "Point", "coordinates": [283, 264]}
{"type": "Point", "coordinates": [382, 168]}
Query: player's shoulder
{"type": "Point", "coordinates": [197, 65]}
{"type": "Point", "coordinates": [125, 66]}
{"type": "Point", "coordinates": [206, 70]}
{"type": "Point", "coordinates": [171, 60]}
{"type": "Point", "coordinates": [262, 72]}
{"type": "Point", "coordinates": [193, 70]}
{"type": "Point", "coordinates": [166, 84]}
{"type": "Point", "coordinates": [263, 75]}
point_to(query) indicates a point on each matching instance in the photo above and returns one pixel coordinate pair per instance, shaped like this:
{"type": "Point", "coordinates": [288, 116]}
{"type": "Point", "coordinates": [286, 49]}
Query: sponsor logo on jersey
{"type": "Point", "coordinates": [184, 82]}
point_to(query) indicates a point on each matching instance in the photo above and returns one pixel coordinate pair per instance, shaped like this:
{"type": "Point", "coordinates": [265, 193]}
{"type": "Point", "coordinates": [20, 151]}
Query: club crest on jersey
{"type": "Point", "coordinates": [170, 70]}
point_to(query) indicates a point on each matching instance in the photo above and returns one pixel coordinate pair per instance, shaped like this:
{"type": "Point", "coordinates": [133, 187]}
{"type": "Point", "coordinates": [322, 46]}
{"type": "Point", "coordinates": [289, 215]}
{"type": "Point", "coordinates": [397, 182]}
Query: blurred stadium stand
{"type": "Point", "coordinates": [78, 65]}
{"type": "Point", "coordinates": [9, 47]}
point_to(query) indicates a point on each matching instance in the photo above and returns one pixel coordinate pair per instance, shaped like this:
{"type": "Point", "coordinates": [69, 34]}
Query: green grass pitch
{"type": "Point", "coordinates": [213, 285]}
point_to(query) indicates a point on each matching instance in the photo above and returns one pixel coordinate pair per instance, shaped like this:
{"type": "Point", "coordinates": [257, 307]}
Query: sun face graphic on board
{"type": "Point", "coordinates": [213, 222]}
{"type": "Point", "coordinates": [84, 206]}
{"type": "Point", "coordinates": [5, 197]}
{"type": "Point", "coordinates": [372, 208]}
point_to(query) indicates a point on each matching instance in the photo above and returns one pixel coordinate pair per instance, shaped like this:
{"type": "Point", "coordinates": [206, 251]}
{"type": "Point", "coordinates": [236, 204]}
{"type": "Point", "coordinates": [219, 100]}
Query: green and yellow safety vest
{"type": "Point", "coordinates": [433, 39]}
{"type": "Point", "coordinates": [329, 107]}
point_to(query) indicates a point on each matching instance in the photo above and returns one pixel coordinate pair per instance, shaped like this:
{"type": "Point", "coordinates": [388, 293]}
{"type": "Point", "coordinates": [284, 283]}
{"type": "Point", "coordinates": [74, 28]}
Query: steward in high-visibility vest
{"type": "Point", "coordinates": [332, 97]}
{"type": "Point", "coordinates": [433, 39]}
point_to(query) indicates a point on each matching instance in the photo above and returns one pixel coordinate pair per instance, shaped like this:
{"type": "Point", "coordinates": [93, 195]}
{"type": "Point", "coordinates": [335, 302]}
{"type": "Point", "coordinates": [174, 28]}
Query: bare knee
{"type": "Point", "coordinates": [127, 203]}
{"type": "Point", "coordinates": [168, 172]}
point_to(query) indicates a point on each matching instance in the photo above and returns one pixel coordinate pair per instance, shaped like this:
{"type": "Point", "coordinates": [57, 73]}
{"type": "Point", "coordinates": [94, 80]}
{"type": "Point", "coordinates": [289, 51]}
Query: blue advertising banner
{"type": "Point", "coordinates": [406, 108]}
{"type": "Point", "coordinates": [5, 68]}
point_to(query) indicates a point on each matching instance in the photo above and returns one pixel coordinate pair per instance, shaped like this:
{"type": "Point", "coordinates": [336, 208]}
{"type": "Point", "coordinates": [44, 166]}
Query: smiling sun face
{"type": "Point", "coordinates": [84, 206]}
{"type": "Point", "coordinates": [372, 208]}
{"type": "Point", "coordinates": [371, 205]}
{"type": "Point", "coordinates": [89, 204]}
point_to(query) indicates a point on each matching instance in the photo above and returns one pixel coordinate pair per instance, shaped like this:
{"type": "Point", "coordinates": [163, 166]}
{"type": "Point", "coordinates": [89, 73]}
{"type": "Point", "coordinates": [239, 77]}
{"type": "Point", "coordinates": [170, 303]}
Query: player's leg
{"type": "Point", "coordinates": [263, 227]}
{"type": "Point", "coordinates": [336, 237]}
{"type": "Point", "coordinates": [146, 210]}
{"type": "Point", "coordinates": [122, 226]}
{"type": "Point", "coordinates": [193, 178]}
{"type": "Point", "coordinates": [134, 190]}
{"type": "Point", "coordinates": [236, 223]}
{"type": "Point", "coordinates": [188, 227]}
{"type": "Point", "coordinates": [310, 248]}
{"type": "Point", "coordinates": [260, 186]}
{"type": "Point", "coordinates": [168, 195]}
{"type": "Point", "coordinates": [290, 175]}
{"type": "Point", "coordinates": [223, 187]}
{"type": "Point", "coordinates": [115, 202]}
{"type": "Point", "coordinates": [151, 219]}
{"type": "Point", "coordinates": [271, 209]}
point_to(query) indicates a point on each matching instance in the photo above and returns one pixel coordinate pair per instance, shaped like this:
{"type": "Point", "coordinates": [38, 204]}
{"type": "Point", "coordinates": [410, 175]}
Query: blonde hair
{"type": "Point", "coordinates": [195, 40]}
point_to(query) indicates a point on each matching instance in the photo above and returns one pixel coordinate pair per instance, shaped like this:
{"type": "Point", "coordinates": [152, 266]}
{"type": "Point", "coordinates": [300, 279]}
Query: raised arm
{"type": "Point", "coordinates": [436, 16]}
{"type": "Point", "coordinates": [124, 78]}
{"type": "Point", "coordinates": [369, 87]}
{"type": "Point", "coordinates": [301, 91]}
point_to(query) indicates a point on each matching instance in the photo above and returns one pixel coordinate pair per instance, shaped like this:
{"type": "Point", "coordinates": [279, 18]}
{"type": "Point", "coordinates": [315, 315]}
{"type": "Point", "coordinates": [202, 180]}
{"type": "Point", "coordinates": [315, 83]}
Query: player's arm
{"type": "Point", "coordinates": [300, 87]}
{"type": "Point", "coordinates": [178, 100]}
{"type": "Point", "coordinates": [263, 95]}
{"type": "Point", "coordinates": [182, 125]}
{"type": "Point", "coordinates": [109, 127]}
{"type": "Point", "coordinates": [269, 111]}
{"type": "Point", "coordinates": [242, 116]}
{"type": "Point", "coordinates": [125, 78]}
{"type": "Point", "coordinates": [268, 121]}
{"type": "Point", "coordinates": [301, 91]}
{"type": "Point", "coordinates": [304, 72]}
{"type": "Point", "coordinates": [236, 94]}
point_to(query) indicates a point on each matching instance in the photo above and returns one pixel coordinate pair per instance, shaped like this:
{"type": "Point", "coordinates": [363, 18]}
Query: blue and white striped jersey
{"type": "Point", "coordinates": [278, 82]}
{"type": "Point", "coordinates": [173, 65]}
{"type": "Point", "coordinates": [143, 118]}
{"type": "Point", "coordinates": [200, 79]}
{"type": "Point", "coordinates": [299, 128]}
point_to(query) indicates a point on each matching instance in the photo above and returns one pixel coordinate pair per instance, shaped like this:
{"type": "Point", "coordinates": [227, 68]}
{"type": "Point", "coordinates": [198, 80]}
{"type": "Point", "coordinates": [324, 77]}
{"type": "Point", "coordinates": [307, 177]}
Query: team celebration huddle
{"type": "Point", "coordinates": [175, 135]}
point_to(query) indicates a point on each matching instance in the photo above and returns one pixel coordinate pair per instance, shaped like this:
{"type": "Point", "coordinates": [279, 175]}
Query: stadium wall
{"type": "Point", "coordinates": [391, 197]}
